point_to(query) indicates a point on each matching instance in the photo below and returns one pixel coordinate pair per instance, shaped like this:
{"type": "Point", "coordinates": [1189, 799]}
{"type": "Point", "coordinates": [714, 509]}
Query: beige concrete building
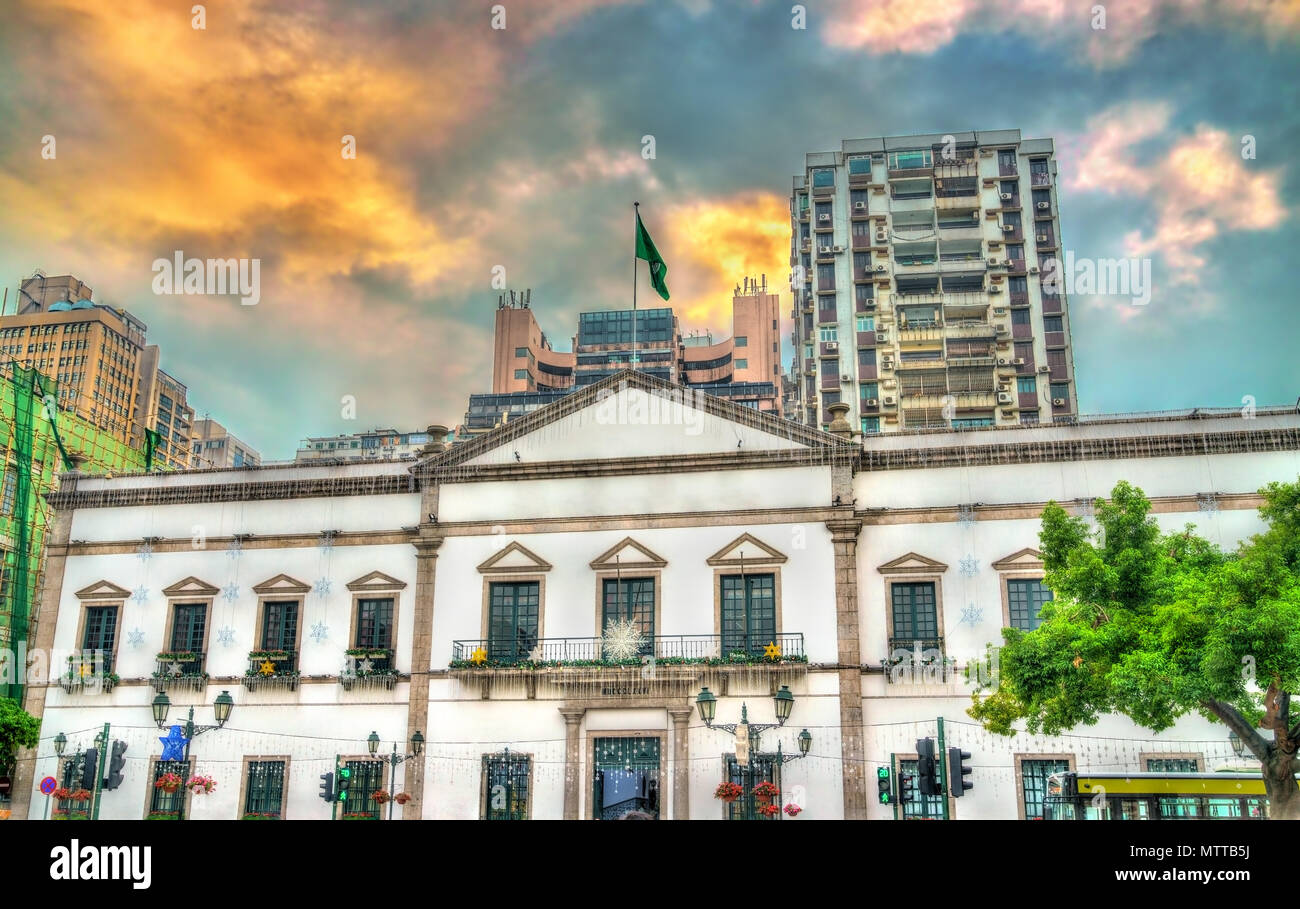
{"type": "Point", "coordinates": [212, 445]}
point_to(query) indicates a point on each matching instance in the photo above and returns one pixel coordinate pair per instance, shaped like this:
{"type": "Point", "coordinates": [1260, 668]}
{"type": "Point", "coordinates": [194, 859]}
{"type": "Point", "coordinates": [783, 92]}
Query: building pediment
{"type": "Point", "coordinates": [376, 580]}
{"type": "Point", "coordinates": [627, 554]}
{"type": "Point", "coordinates": [103, 590]}
{"type": "Point", "coordinates": [912, 563]}
{"type": "Point", "coordinates": [1025, 559]}
{"type": "Point", "coordinates": [514, 559]}
{"type": "Point", "coordinates": [191, 587]}
{"type": "Point", "coordinates": [281, 583]}
{"type": "Point", "coordinates": [747, 550]}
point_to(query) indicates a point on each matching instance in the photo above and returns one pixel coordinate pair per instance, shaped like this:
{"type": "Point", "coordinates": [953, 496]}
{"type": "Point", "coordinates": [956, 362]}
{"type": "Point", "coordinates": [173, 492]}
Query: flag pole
{"type": "Point", "coordinates": [636, 240]}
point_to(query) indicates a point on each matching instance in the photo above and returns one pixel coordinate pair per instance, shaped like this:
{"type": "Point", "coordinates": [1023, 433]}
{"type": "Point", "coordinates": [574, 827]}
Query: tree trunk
{"type": "Point", "coordinates": [1280, 784]}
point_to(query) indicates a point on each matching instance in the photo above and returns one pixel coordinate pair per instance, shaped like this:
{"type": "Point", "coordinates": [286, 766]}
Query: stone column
{"type": "Point", "coordinates": [41, 627]}
{"type": "Point", "coordinates": [681, 762]}
{"type": "Point", "coordinates": [417, 712]}
{"type": "Point", "coordinates": [844, 537]}
{"type": "Point", "coordinates": [572, 755]}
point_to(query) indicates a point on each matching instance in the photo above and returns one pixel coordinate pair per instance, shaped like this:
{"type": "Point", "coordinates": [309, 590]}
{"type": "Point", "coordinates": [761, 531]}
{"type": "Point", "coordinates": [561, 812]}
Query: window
{"type": "Point", "coordinates": [742, 341]}
{"type": "Point", "coordinates": [101, 633]}
{"type": "Point", "coordinates": [871, 424]}
{"type": "Point", "coordinates": [189, 624]}
{"type": "Point", "coordinates": [521, 373]}
{"type": "Point", "coordinates": [910, 159]}
{"type": "Point", "coordinates": [1038, 166]}
{"type": "Point", "coordinates": [10, 489]}
{"type": "Point", "coordinates": [1033, 776]}
{"type": "Point", "coordinates": [1061, 390]}
{"type": "Point", "coordinates": [1025, 598]}
{"type": "Point", "coordinates": [867, 356]}
{"type": "Point", "coordinates": [1171, 765]}
{"type": "Point", "coordinates": [825, 277]}
{"type": "Point", "coordinates": [860, 165]}
{"type": "Point", "coordinates": [968, 422]}
{"type": "Point", "coordinates": [375, 623]}
{"type": "Point", "coordinates": [1019, 317]}
{"type": "Point", "coordinates": [1053, 323]}
{"type": "Point", "coordinates": [521, 351]}
{"type": "Point", "coordinates": [828, 333]}
{"type": "Point", "coordinates": [870, 390]}
{"type": "Point", "coordinates": [264, 788]}
{"type": "Point", "coordinates": [633, 600]}
{"type": "Point", "coordinates": [866, 323]}
{"type": "Point", "coordinates": [280, 627]}
{"type": "Point", "coordinates": [742, 364]}
{"type": "Point", "coordinates": [920, 806]}
{"type": "Point", "coordinates": [512, 619]}
{"type": "Point", "coordinates": [748, 612]}
{"type": "Point", "coordinates": [823, 178]}
{"type": "Point", "coordinates": [1028, 417]}
{"type": "Point", "coordinates": [505, 786]}
{"type": "Point", "coordinates": [367, 777]}
{"type": "Point", "coordinates": [763, 768]}
{"type": "Point", "coordinates": [161, 801]}
{"type": "Point", "coordinates": [1027, 385]}
{"type": "Point", "coordinates": [915, 616]}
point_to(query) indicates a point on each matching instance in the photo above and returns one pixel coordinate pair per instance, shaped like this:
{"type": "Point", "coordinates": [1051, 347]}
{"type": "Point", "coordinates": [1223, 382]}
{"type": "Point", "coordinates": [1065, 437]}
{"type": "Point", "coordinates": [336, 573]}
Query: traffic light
{"type": "Point", "coordinates": [89, 765]}
{"type": "Point", "coordinates": [327, 786]}
{"type": "Point", "coordinates": [906, 781]}
{"type": "Point", "coordinates": [958, 771]}
{"type": "Point", "coordinates": [344, 782]}
{"type": "Point", "coordinates": [116, 761]}
{"type": "Point", "coordinates": [926, 772]}
{"type": "Point", "coordinates": [883, 785]}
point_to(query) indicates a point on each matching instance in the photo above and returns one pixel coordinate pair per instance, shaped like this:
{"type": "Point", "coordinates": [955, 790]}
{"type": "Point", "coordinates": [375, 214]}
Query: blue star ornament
{"type": "Point", "coordinates": [173, 745]}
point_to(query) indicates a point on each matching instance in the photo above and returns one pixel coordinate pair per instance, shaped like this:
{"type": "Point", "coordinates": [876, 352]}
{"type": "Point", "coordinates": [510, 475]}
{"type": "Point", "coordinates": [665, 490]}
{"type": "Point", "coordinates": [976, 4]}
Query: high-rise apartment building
{"type": "Point", "coordinates": [371, 445]}
{"type": "Point", "coordinates": [167, 411]}
{"type": "Point", "coordinates": [212, 445]}
{"type": "Point", "coordinates": [918, 266]}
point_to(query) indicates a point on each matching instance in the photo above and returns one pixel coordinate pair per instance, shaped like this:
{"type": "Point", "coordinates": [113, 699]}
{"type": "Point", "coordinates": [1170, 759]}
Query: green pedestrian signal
{"type": "Point", "coordinates": [344, 782]}
{"type": "Point", "coordinates": [883, 785]}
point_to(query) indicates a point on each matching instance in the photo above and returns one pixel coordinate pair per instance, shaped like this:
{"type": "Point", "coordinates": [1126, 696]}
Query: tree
{"type": "Point", "coordinates": [1154, 626]}
{"type": "Point", "coordinates": [18, 729]}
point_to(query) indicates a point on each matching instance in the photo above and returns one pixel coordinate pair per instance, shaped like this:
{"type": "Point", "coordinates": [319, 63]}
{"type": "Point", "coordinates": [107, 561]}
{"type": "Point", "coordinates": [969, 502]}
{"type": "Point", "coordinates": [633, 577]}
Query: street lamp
{"type": "Point", "coordinates": [221, 708]}
{"type": "Point", "coordinates": [417, 747]}
{"type": "Point", "coordinates": [60, 743]}
{"type": "Point", "coordinates": [1235, 741]}
{"type": "Point", "coordinates": [747, 733]}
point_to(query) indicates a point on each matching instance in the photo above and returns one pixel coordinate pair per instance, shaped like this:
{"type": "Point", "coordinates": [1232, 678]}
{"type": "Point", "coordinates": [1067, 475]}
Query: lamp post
{"type": "Point", "coordinates": [1235, 741]}
{"type": "Point", "coordinates": [747, 733]}
{"type": "Point", "coordinates": [221, 708]}
{"type": "Point", "coordinates": [417, 746]}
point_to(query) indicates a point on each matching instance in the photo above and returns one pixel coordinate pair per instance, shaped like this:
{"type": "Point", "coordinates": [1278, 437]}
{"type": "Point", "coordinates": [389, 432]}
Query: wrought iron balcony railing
{"type": "Point", "coordinates": [272, 669]}
{"type": "Point", "coordinates": [917, 661]}
{"type": "Point", "coordinates": [705, 649]}
{"type": "Point", "coordinates": [180, 669]}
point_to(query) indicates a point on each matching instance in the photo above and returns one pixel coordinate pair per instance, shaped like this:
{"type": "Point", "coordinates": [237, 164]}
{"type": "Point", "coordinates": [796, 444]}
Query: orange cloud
{"type": "Point", "coordinates": [710, 246]}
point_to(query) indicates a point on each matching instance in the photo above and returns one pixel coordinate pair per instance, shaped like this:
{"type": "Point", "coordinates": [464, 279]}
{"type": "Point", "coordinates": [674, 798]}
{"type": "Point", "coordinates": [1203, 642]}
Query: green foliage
{"type": "Point", "coordinates": [18, 729]}
{"type": "Point", "coordinates": [1151, 625]}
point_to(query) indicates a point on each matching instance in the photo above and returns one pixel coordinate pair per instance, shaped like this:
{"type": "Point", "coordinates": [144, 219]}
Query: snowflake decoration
{"type": "Point", "coordinates": [366, 665]}
{"type": "Point", "coordinates": [226, 636]}
{"type": "Point", "coordinates": [1207, 503]}
{"type": "Point", "coordinates": [230, 592]}
{"type": "Point", "coordinates": [235, 548]}
{"type": "Point", "coordinates": [621, 641]}
{"type": "Point", "coordinates": [1084, 509]}
{"type": "Point", "coordinates": [323, 587]}
{"type": "Point", "coordinates": [965, 515]}
{"type": "Point", "coordinates": [144, 552]}
{"type": "Point", "coordinates": [140, 594]}
{"type": "Point", "coordinates": [968, 567]}
{"type": "Point", "coordinates": [349, 670]}
{"type": "Point", "coordinates": [134, 637]}
{"type": "Point", "coordinates": [327, 539]}
{"type": "Point", "coordinates": [972, 613]}
{"type": "Point", "coordinates": [319, 632]}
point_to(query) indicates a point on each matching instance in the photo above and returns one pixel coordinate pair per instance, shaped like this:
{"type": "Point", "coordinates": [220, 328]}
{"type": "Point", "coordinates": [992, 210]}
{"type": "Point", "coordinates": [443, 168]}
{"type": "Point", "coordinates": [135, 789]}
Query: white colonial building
{"type": "Point", "coordinates": [545, 603]}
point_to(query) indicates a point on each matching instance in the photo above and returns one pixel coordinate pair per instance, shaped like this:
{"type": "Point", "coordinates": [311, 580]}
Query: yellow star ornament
{"type": "Point", "coordinates": [478, 657]}
{"type": "Point", "coordinates": [772, 651]}
{"type": "Point", "coordinates": [267, 668]}
{"type": "Point", "coordinates": [85, 671]}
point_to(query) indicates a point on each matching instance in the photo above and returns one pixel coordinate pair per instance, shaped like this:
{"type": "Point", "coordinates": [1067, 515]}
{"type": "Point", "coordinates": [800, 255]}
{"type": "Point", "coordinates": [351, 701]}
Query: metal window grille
{"type": "Point", "coordinates": [625, 777]}
{"type": "Point", "coordinates": [1034, 776]}
{"type": "Point", "coordinates": [920, 806]}
{"type": "Point", "coordinates": [367, 777]}
{"type": "Point", "coordinates": [265, 789]}
{"type": "Point", "coordinates": [505, 790]}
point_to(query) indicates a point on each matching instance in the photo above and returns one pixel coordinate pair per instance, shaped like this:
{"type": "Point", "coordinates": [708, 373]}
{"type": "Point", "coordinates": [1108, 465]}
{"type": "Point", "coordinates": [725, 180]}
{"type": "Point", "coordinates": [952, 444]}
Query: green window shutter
{"type": "Point", "coordinates": [512, 620]}
{"type": "Point", "coordinates": [631, 599]}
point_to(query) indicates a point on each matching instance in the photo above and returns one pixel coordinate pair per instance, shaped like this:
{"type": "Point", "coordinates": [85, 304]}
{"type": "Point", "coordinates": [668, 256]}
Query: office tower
{"type": "Point", "coordinates": [212, 445]}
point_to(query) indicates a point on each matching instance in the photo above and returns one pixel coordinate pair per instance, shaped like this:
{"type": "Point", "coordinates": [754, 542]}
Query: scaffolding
{"type": "Point", "coordinates": [39, 440]}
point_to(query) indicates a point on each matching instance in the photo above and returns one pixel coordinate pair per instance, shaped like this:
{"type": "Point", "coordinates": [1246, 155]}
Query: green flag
{"type": "Point", "coordinates": [151, 440]}
{"type": "Point", "coordinates": [645, 249]}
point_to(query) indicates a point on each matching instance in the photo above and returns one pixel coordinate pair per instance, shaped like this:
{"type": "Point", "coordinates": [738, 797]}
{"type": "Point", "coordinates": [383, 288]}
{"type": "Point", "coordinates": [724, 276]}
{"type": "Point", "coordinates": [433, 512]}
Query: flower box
{"type": "Point", "coordinates": [728, 792]}
{"type": "Point", "coordinates": [285, 680]}
{"type": "Point", "coordinates": [164, 816]}
{"type": "Point", "coordinates": [380, 678]}
{"type": "Point", "coordinates": [361, 816]}
{"type": "Point", "coordinates": [268, 655]}
{"type": "Point", "coordinates": [74, 684]}
{"type": "Point", "coordinates": [260, 816]}
{"type": "Point", "coordinates": [64, 814]}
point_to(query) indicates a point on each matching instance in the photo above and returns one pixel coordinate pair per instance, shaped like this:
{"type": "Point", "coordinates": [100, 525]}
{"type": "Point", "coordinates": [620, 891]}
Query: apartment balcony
{"type": "Point", "coordinates": [1051, 303]}
{"type": "Point", "coordinates": [861, 241]}
{"type": "Point", "coordinates": [966, 307]}
{"type": "Point", "coordinates": [913, 661]}
{"type": "Point", "coordinates": [827, 316]}
{"type": "Point", "coordinates": [1019, 297]}
{"type": "Point", "coordinates": [1043, 211]}
{"type": "Point", "coordinates": [911, 201]}
{"type": "Point", "coordinates": [1040, 180]}
{"type": "Point", "coordinates": [1016, 265]}
{"type": "Point", "coordinates": [824, 221]}
{"type": "Point", "coordinates": [369, 668]}
{"type": "Point", "coordinates": [1044, 239]}
{"type": "Point", "coordinates": [828, 349]}
{"type": "Point", "coordinates": [866, 339]}
{"type": "Point", "coordinates": [971, 360]}
{"type": "Point", "coordinates": [831, 379]}
{"type": "Point", "coordinates": [912, 331]}
{"type": "Point", "coordinates": [1054, 338]}
{"type": "Point", "coordinates": [970, 328]}
{"type": "Point", "coordinates": [859, 214]}
{"type": "Point", "coordinates": [179, 670]}
{"type": "Point", "coordinates": [862, 178]}
{"type": "Point", "coordinates": [272, 669]}
{"type": "Point", "coordinates": [1021, 331]}
{"type": "Point", "coordinates": [916, 365]}
{"type": "Point", "coordinates": [952, 168]}
{"type": "Point", "coordinates": [971, 231]}
{"type": "Point", "coordinates": [90, 672]}
{"type": "Point", "coordinates": [1007, 169]}
{"type": "Point", "coordinates": [904, 173]}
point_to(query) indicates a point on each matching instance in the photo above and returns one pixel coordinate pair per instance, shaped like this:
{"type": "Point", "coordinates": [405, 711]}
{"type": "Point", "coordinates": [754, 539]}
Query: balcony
{"type": "Point", "coordinates": [1019, 297]}
{"type": "Point", "coordinates": [905, 173]}
{"type": "Point", "coordinates": [369, 668]}
{"type": "Point", "coordinates": [920, 330]}
{"type": "Point", "coordinates": [679, 649]}
{"type": "Point", "coordinates": [1040, 179]}
{"type": "Point", "coordinates": [931, 363]}
{"type": "Point", "coordinates": [1017, 265]}
{"type": "Point", "coordinates": [917, 662]}
{"type": "Point", "coordinates": [179, 670]}
{"type": "Point", "coordinates": [827, 316]}
{"type": "Point", "coordinates": [970, 328]}
{"type": "Point", "coordinates": [272, 669]}
{"type": "Point", "coordinates": [89, 673]}
{"type": "Point", "coordinates": [1007, 168]}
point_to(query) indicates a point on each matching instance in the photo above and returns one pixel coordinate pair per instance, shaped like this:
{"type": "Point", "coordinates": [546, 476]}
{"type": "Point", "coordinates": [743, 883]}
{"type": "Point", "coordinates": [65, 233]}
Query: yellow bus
{"type": "Point", "coordinates": [1155, 796]}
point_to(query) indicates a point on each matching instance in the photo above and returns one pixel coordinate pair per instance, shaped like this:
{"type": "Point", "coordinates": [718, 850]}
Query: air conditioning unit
{"type": "Point", "coordinates": [1033, 269]}
{"type": "Point", "coordinates": [890, 400]}
{"type": "Point", "coordinates": [1018, 361]}
{"type": "Point", "coordinates": [999, 310]}
{"type": "Point", "coordinates": [995, 289]}
{"type": "Point", "coordinates": [871, 402]}
{"type": "Point", "coordinates": [1002, 361]}
{"type": "Point", "coordinates": [887, 363]}
{"type": "Point", "coordinates": [823, 250]}
{"type": "Point", "coordinates": [1004, 397]}
{"type": "Point", "coordinates": [837, 249]}
{"type": "Point", "coordinates": [1006, 197]}
{"type": "Point", "coordinates": [1008, 228]}
{"type": "Point", "coordinates": [888, 384]}
{"type": "Point", "coordinates": [881, 236]}
{"type": "Point", "coordinates": [1044, 369]}
{"type": "Point", "coordinates": [1001, 329]}
{"type": "Point", "coordinates": [1041, 238]}
{"type": "Point", "coordinates": [832, 346]}
{"type": "Point", "coordinates": [1044, 206]}
{"type": "Point", "coordinates": [882, 335]}
{"type": "Point", "coordinates": [993, 262]}
{"type": "Point", "coordinates": [823, 217]}
{"type": "Point", "coordinates": [845, 377]}
{"type": "Point", "coordinates": [1058, 402]}
{"type": "Point", "coordinates": [859, 206]}
{"type": "Point", "coordinates": [880, 268]}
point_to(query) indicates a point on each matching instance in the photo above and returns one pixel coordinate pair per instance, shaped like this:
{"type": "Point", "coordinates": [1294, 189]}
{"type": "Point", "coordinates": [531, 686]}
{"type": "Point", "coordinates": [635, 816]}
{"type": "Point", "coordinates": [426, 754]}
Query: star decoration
{"type": "Point", "coordinates": [478, 657]}
{"type": "Point", "coordinates": [772, 651]}
{"type": "Point", "coordinates": [173, 745]}
{"type": "Point", "coordinates": [226, 636]}
{"type": "Point", "coordinates": [535, 655]}
{"type": "Point", "coordinates": [366, 665]}
{"type": "Point", "coordinates": [323, 587]}
{"type": "Point", "coordinates": [1084, 508]}
{"type": "Point", "coordinates": [144, 552]}
{"type": "Point", "coordinates": [972, 613]}
{"type": "Point", "coordinates": [86, 670]}
{"type": "Point", "coordinates": [319, 632]}
{"type": "Point", "coordinates": [230, 592]}
{"type": "Point", "coordinates": [965, 515]}
{"type": "Point", "coordinates": [1208, 503]}
{"type": "Point", "coordinates": [622, 640]}
{"type": "Point", "coordinates": [968, 566]}
{"type": "Point", "coordinates": [267, 668]}
{"type": "Point", "coordinates": [134, 637]}
{"type": "Point", "coordinates": [140, 594]}
{"type": "Point", "coordinates": [174, 668]}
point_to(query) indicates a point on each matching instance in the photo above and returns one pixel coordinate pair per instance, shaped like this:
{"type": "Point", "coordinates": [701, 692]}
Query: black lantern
{"type": "Point", "coordinates": [417, 742]}
{"type": "Point", "coordinates": [783, 701]}
{"type": "Point", "coordinates": [60, 742]}
{"type": "Point", "coordinates": [222, 707]}
{"type": "Point", "coordinates": [161, 704]}
{"type": "Point", "coordinates": [1235, 741]}
{"type": "Point", "coordinates": [708, 706]}
{"type": "Point", "coordinates": [373, 742]}
{"type": "Point", "coordinates": [805, 741]}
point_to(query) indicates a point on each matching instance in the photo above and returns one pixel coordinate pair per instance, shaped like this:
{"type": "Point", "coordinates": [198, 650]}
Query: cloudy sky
{"type": "Point", "coordinates": [521, 147]}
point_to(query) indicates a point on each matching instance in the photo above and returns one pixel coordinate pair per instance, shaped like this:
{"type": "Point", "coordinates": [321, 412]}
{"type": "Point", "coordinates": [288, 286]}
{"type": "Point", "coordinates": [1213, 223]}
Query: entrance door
{"type": "Point", "coordinates": [763, 768]}
{"type": "Point", "coordinates": [625, 778]}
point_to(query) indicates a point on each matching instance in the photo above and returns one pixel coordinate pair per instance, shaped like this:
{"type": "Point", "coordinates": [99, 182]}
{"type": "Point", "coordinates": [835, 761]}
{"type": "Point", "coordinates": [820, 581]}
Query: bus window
{"type": "Point", "coordinates": [1134, 810]}
{"type": "Point", "coordinates": [1228, 807]}
{"type": "Point", "coordinates": [1182, 807]}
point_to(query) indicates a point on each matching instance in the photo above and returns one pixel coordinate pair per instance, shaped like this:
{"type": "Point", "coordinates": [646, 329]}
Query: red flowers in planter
{"type": "Point", "coordinates": [168, 782]}
{"type": "Point", "coordinates": [768, 810]}
{"type": "Point", "coordinates": [728, 792]}
{"type": "Point", "coordinates": [766, 791]}
{"type": "Point", "coordinates": [201, 785]}
{"type": "Point", "coordinates": [792, 809]}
